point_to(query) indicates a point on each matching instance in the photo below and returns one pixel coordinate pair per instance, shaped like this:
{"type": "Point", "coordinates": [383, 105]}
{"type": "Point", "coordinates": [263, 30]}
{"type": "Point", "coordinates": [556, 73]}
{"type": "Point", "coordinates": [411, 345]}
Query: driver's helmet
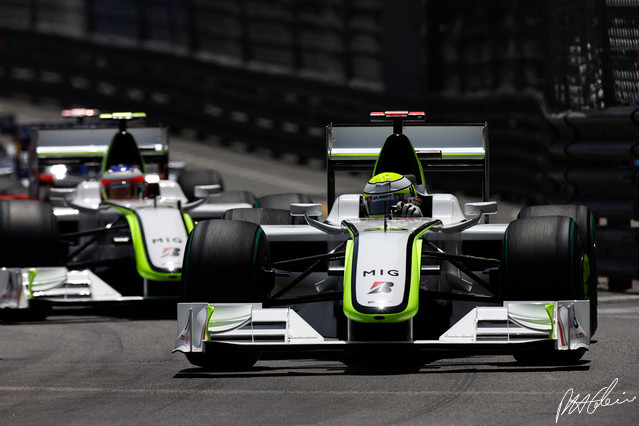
{"type": "Point", "coordinates": [122, 182]}
{"type": "Point", "coordinates": [385, 190]}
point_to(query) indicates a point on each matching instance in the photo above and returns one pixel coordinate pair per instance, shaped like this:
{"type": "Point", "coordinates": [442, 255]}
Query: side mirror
{"type": "Point", "coordinates": [152, 185]}
{"type": "Point", "coordinates": [177, 166]}
{"type": "Point", "coordinates": [301, 209]}
{"type": "Point", "coordinates": [473, 209]}
{"type": "Point", "coordinates": [310, 210]}
{"type": "Point", "coordinates": [203, 191]}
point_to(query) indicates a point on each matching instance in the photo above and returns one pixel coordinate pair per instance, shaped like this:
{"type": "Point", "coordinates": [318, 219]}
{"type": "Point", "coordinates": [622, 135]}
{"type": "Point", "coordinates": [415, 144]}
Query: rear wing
{"type": "Point", "coordinates": [87, 146]}
{"type": "Point", "coordinates": [439, 148]}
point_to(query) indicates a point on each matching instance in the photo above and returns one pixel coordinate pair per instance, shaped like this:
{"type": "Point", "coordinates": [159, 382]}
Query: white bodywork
{"type": "Point", "coordinates": [564, 322]}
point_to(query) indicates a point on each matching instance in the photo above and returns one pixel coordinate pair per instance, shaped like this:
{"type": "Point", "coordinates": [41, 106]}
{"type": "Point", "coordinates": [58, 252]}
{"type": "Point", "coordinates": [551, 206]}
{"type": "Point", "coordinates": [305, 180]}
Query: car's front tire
{"type": "Point", "coordinates": [544, 258]}
{"type": "Point", "coordinates": [225, 262]}
{"type": "Point", "coordinates": [586, 223]}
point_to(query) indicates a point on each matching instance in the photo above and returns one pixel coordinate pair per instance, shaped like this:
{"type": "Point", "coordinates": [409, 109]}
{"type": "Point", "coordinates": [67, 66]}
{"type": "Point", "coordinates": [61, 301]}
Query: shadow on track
{"type": "Point", "coordinates": [467, 365]}
{"type": "Point", "coordinates": [104, 312]}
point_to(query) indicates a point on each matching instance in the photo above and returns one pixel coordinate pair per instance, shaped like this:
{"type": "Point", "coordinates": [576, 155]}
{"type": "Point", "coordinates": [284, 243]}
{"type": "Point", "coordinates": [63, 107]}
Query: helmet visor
{"type": "Point", "coordinates": [123, 190]}
{"type": "Point", "coordinates": [380, 205]}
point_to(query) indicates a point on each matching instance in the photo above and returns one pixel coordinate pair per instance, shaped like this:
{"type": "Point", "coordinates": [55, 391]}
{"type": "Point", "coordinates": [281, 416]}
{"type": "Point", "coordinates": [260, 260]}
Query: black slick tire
{"type": "Point", "coordinates": [28, 238]}
{"type": "Point", "coordinates": [586, 223]}
{"type": "Point", "coordinates": [224, 263]}
{"type": "Point", "coordinates": [543, 259]}
{"type": "Point", "coordinates": [260, 216]}
{"type": "Point", "coordinates": [282, 201]}
{"type": "Point", "coordinates": [28, 234]}
{"type": "Point", "coordinates": [190, 178]}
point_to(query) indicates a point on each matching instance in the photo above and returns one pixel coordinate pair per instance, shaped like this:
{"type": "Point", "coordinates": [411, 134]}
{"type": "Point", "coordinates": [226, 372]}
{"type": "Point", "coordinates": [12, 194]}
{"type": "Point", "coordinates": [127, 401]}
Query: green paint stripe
{"type": "Point", "coordinates": [465, 154]}
{"type": "Point", "coordinates": [66, 153]}
{"type": "Point", "coordinates": [142, 263]}
{"type": "Point", "coordinates": [122, 115]}
{"type": "Point", "coordinates": [356, 154]}
{"type": "Point", "coordinates": [209, 314]}
{"type": "Point", "coordinates": [256, 245]}
{"type": "Point", "coordinates": [572, 256]}
{"type": "Point", "coordinates": [443, 154]}
{"type": "Point", "coordinates": [86, 153]}
{"type": "Point", "coordinates": [32, 274]}
{"type": "Point", "coordinates": [188, 222]}
{"type": "Point", "coordinates": [550, 309]}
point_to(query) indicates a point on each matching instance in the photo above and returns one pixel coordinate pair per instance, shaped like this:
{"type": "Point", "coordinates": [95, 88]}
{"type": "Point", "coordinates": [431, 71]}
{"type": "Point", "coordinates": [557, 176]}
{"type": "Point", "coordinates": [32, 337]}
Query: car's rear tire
{"type": "Point", "coordinates": [233, 197]}
{"type": "Point", "coordinates": [586, 222]}
{"type": "Point", "coordinates": [224, 263]}
{"type": "Point", "coordinates": [282, 201]}
{"type": "Point", "coordinates": [190, 178]}
{"type": "Point", "coordinates": [544, 259]}
{"type": "Point", "coordinates": [260, 216]}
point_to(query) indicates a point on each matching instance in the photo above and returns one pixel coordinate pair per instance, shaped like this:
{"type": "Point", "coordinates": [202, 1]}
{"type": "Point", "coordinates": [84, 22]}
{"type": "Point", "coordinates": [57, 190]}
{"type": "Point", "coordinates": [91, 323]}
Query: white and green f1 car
{"type": "Point", "coordinates": [111, 224]}
{"type": "Point", "coordinates": [396, 269]}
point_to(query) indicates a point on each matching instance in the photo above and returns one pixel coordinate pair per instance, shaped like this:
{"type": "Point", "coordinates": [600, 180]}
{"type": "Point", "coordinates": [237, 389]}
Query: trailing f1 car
{"type": "Point", "coordinates": [112, 226]}
{"type": "Point", "coordinates": [394, 269]}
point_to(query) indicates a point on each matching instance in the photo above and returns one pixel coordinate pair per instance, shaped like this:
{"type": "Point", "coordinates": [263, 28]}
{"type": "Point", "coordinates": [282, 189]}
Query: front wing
{"type": "Point", "coordinates": [56, 285]}
{"type": "Point", "coordinates": [515, 325]}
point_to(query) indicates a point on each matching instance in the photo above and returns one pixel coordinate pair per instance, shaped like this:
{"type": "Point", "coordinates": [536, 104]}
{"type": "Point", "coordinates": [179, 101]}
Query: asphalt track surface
{"type": "Point", "coordinates": [113, 365]}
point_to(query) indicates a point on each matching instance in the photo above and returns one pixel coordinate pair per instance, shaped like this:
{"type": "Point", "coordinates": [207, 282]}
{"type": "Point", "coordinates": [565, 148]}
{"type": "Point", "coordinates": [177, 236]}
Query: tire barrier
{"type": "Point", "coordinates": [596, 164]}
{"type": "Point", "coordinates": [518, 135]}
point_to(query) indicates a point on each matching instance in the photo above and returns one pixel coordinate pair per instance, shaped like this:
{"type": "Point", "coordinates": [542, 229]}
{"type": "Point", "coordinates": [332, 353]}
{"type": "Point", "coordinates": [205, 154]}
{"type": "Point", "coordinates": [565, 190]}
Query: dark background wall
{"type": "Point", "coordinates": [556, 80]}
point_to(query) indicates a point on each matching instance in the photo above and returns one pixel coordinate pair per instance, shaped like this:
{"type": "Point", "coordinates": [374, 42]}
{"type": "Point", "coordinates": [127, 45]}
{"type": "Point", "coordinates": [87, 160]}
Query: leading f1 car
{"type": "Point", "coordinates": [394, 269]}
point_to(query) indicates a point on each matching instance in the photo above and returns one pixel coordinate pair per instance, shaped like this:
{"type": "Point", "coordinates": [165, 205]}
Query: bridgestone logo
{"type": "Point", "coordinates": [381, 287]}
{"type": "Point", "coordinates": [171, 252]}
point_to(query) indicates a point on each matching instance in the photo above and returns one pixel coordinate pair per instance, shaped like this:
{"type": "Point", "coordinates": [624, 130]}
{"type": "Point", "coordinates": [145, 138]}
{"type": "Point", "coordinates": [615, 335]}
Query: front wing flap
{"type": "Point", "coordinates": [515, 324]}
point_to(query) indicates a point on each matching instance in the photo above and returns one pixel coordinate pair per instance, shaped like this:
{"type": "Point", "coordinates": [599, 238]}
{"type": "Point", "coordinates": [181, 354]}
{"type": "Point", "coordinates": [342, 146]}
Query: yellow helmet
{"type": "Point", "coordinates": [385, 190]}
